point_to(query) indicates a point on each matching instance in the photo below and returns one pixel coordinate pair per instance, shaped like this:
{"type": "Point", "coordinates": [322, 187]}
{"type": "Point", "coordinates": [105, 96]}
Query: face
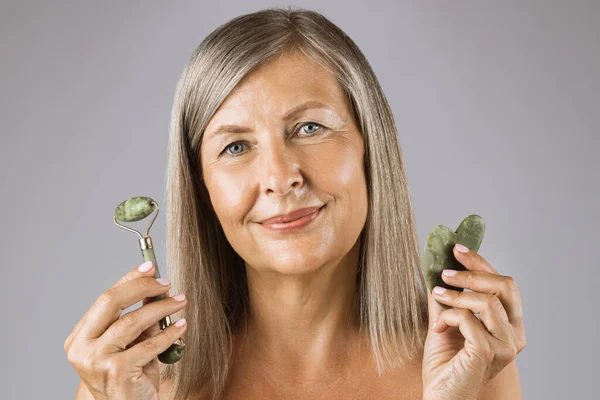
{"type": "Point", "coordinates": [278, 160]}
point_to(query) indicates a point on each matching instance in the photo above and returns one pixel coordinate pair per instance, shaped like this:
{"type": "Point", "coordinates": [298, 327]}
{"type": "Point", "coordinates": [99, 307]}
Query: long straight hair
{"type": "Point", "coordinates": [391, 300]}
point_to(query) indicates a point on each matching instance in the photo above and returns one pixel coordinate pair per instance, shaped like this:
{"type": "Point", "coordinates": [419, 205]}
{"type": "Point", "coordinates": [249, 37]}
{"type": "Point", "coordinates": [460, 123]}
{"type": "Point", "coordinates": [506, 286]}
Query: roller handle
{"type": "Point", "coordinates": [176, 350]}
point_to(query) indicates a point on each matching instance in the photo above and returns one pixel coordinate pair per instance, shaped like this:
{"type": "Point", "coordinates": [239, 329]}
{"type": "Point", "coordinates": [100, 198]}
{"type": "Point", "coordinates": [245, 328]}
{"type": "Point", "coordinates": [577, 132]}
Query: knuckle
{"type": "Point", "coordinates": [149, 285]}
{"type": "Point", "coordinates": [511, 284]}
{"type": "Point", "coordinates": [129, 320]}
{"type": "Point", "coordinates": [90, 363]}
{"type": "Point", "coordinates": [113, 370]}
{"type": "Point", "coordinates": [118, 343]}
{"type": "Point", "coordinates": [73, 356]}
{"type": "Point", "coordinates": [514, 351]}
{"type": "Point", "coordinates": [470, 276]}
{"type": "Point", "coordinates": [128, 323]}
{"type": "Point", "coordinates": [464, 315]}
{"type": "Point", "coordinates": [521, 343]}
{"type": "Point", "coordinates": [508, 353]}
{"type": "Point", "coordinates": [106, 297]}
{"type": "Point", "coordinates": [153, 344]}
{"type": "Point", "coordinates": [493, 302]}
{"type": "Point", "coordinates": [147, 282]}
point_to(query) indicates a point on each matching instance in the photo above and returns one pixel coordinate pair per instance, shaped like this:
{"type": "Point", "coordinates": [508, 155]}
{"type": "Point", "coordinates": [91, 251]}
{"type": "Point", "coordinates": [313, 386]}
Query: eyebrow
{"type": "Point", "coordinates": [288, 115]}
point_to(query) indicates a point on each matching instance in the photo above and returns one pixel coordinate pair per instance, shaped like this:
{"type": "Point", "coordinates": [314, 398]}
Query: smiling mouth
{"type": "Point", "coordinates": [295, 224]}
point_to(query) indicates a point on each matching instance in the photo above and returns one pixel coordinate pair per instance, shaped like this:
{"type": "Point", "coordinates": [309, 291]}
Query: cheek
{"type": "Point", "coordinates": [229, 196]}
{"type": "Point", "coordinates": [340, 173]}
{"type": "Point", "coordinates": [351, 179]}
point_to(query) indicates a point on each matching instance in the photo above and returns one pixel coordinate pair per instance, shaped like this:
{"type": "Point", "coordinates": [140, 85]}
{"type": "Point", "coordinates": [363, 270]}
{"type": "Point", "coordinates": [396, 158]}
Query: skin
{"type": "Point", "coordinates": [301, 284]}
{"type": "Point", "coordinates": [302, 336]}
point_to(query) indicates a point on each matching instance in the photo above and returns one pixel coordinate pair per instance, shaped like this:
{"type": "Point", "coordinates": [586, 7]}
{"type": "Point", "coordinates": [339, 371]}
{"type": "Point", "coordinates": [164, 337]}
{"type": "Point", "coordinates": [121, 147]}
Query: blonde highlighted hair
{"type": "Point", "coordinates": [391, 299]}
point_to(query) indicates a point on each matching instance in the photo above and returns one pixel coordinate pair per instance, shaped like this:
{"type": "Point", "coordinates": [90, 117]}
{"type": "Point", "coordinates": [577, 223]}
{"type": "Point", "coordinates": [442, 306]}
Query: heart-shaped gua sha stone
{"type": "Point", "coordinates": [439, 254]}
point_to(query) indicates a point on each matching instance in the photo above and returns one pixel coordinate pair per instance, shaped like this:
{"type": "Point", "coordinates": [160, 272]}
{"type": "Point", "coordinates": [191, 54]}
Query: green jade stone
{"type": "Point", "coordinates": [134, 209]}
{"type": "Point", "coordinates": [439, 254]}
{"type": "Point", "coordinates": [172, 354]}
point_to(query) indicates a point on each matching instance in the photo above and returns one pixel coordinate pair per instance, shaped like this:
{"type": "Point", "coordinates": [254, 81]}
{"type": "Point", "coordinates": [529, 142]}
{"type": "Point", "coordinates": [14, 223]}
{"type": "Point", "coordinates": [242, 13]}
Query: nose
{"type": "Point", "coordinates": [281, 170]}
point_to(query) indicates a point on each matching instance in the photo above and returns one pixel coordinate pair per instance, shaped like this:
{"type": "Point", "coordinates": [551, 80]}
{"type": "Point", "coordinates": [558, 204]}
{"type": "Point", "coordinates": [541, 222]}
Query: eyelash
{"type": "Point", "coordinates": [300, 125]}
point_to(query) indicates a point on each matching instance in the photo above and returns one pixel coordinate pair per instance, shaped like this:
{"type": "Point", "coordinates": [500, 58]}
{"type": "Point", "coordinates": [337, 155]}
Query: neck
{"type": "Point", "coordinates": [303, 324]}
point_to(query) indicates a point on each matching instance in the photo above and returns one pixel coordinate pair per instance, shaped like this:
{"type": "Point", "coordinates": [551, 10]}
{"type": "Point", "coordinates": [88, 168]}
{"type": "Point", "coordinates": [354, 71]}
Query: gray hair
{"type": "Point", "coordinates": [391, 299]}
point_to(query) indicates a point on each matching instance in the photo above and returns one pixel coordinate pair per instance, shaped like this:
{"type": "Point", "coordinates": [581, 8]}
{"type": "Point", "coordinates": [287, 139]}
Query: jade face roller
{"type": "Point", "coordinates": [135, 209]}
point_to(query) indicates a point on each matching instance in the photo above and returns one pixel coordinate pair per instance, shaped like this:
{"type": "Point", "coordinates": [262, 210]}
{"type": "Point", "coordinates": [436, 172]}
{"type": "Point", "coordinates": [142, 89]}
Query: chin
{"type": "Point", "coordinates": [292, 263]}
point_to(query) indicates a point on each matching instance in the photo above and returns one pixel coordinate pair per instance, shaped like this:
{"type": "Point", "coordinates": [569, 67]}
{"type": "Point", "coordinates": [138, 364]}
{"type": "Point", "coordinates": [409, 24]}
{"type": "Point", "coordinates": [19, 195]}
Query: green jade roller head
{"type": "Point", "coordinates": [438, 253]}
{"type": "Point", "coordinates": [135, 209]}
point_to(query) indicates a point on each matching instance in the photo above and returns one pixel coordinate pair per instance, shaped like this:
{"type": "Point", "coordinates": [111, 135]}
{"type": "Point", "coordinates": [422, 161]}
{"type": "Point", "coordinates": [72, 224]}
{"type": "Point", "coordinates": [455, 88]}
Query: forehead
{"type": "Point", "coordinates": [281, 84]}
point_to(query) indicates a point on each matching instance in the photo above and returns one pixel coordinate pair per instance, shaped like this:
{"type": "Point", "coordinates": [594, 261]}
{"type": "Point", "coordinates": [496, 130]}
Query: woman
{"type": "Point", "coordinates": [278, 117]}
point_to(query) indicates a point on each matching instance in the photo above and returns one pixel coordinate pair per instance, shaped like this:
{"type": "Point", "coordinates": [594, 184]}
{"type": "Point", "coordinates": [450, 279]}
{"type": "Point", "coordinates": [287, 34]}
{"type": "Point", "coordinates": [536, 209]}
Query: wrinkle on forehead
{"type": "Point", "coordinates": [276, 87]}
{"type": "Point", "coordinates": [292, 73]}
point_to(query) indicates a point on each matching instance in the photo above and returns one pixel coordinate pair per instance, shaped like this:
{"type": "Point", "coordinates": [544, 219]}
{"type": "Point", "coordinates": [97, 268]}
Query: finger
{"type": "Point", "coordinates": [131, 325]}
{"type": "Point", "coordinates": [147, 334]}
{"type": "Point", "coordinates": [144, 352]}
{"type": "Point", "coordinates": [476, 336]}
{"type": "Point", "coordinates": [472, 260]}
{"type": "Point", "coordinates": [435, 308]}
{"type": "Point", "coordinates": [503, 287]}
{"type": "Point", "coordinates": [109, 306]}
{"type": "Point", "coordinates": [137, 272]}
{"type": "Point", "coordinates": [154, 329]}
{"type": "Point", "coordinates": [490, 310]}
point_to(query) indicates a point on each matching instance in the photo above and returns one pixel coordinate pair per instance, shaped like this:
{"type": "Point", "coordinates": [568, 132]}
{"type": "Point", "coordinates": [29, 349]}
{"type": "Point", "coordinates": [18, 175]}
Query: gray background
{"type": "Point", "coordinates": [496, 104]}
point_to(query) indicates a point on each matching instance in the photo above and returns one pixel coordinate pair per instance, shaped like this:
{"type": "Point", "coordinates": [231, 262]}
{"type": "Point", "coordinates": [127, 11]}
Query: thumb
{"type": "Point", "coordinates": [435, 309]}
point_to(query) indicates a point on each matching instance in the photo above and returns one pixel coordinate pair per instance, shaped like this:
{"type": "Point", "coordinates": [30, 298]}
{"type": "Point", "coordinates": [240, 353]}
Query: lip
{"type": "Point", "coordinates": [294, 215]}
{"type": "Point", "coordinates": [303, 217]}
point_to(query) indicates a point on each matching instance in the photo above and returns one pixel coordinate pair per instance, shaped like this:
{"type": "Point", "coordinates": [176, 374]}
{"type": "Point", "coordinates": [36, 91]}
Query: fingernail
{"type": "Point", "coordinates": [439, 290]}
{"type": "Point", "coordinates": [180, 322]}
{"type": "Point", "coordinates": [145, 267]}
{"type": "Point", "coordinates": [179, 297]}
{"type": "Point", "coordinates": [461, 248]}
{"type": "Point", "coordinates": [163, 281]}
{"type": "Point", "coordinates": [449, 272]}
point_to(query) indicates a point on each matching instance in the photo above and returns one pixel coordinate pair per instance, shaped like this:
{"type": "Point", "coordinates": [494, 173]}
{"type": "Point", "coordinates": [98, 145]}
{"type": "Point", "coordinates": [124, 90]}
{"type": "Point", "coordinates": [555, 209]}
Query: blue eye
{"type": "Point", "coordinates": [310, 124]}
{"type": "Point", "coordinates": [232, 145]}
{"type": "Point", "coordinates": [240, 143]}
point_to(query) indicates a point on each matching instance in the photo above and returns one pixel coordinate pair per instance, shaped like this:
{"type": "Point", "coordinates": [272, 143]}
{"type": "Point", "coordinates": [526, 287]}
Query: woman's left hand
{"type": "Point", "coordinates": [462, 352]}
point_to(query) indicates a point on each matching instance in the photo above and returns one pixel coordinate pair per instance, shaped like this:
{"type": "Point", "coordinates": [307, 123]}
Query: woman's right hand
{"type": "Point", "coordinates": [116, 356]}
